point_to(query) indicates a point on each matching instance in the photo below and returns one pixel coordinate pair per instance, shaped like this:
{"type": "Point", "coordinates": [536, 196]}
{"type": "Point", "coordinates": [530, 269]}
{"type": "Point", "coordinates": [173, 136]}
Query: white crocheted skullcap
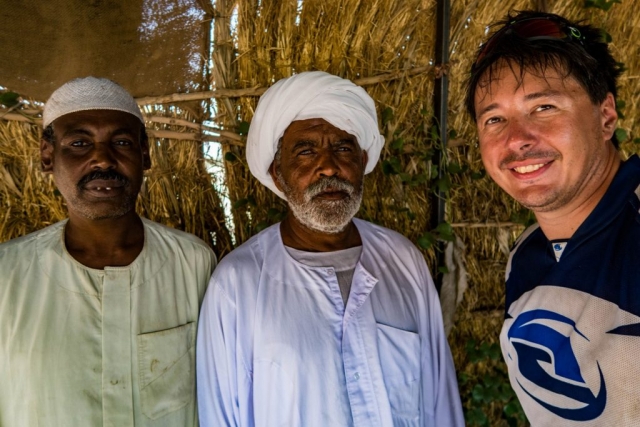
{"type": "Point", "coordinates": [311, 95]}
{"type": "Point", "coordinates": [88, 93]}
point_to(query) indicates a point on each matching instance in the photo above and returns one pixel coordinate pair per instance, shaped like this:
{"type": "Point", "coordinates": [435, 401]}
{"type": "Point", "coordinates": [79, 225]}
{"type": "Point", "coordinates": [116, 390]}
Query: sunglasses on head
{"type": "Point", "coordinates": [532, 29]}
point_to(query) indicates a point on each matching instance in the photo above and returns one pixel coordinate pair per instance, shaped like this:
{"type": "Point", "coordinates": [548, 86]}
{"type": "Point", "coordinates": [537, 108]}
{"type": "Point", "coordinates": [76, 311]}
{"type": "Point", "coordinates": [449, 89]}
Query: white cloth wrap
{"type": "Point", "coordinates": [311, 95]}
{"type": "Point", "coordinates": [88, 93]}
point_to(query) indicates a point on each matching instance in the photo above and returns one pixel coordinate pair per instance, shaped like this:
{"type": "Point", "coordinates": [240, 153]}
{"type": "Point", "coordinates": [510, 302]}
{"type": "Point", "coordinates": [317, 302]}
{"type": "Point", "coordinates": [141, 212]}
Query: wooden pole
{"type": "Point", "coordinates": [440, 99]}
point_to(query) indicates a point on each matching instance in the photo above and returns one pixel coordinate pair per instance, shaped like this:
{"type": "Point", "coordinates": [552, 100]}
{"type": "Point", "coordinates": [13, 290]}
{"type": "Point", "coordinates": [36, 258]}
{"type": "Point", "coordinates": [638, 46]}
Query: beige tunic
{"type": "Point", "coordinates": [112, 347]}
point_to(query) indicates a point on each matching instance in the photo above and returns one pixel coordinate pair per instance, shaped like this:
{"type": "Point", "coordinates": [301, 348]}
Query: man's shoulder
{"type": "Point", "coordinates": [383, 235]}
{"type": "Point", "coordinates": [176, 238]}
{"type": "Point", "coordinates": [250, 255]}
{"type": "Point", "coordinates": [23, 244]}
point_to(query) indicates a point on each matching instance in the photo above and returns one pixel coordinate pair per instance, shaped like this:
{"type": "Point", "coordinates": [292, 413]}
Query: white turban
{"type": "Point", "coordinates": [89, 93]}
{"type": "Point", "coordinates": [311, 95]}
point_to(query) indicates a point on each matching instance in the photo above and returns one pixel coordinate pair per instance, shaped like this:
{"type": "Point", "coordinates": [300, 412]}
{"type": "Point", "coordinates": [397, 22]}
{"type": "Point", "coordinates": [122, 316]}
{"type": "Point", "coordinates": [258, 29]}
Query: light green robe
{"type": "Point", "coordinates": [112, 347]}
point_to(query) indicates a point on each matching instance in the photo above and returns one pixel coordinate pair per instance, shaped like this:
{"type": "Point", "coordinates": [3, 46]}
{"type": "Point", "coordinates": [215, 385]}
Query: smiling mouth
{"type": "Point", "coordinates": [529, 168]}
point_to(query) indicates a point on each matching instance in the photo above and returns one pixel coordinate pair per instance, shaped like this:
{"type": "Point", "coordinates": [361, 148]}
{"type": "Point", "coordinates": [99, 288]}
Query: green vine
{"type": "Point", "coordinates": [483, 392]}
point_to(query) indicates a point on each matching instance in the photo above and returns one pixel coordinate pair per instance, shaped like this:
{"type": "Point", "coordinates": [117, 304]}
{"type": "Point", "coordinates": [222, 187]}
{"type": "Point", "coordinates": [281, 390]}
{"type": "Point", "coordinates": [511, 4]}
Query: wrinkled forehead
{"type": "Point", "coordinates": [313, 125]}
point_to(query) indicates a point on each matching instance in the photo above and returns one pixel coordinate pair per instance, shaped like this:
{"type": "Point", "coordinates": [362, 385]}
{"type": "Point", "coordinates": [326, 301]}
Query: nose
{"type": "Point", "coordinates": [327, 163]}
{"type": "Point", "coordinates": [102, 156]}
{"type": "Point", "coordinates": [519, 135]}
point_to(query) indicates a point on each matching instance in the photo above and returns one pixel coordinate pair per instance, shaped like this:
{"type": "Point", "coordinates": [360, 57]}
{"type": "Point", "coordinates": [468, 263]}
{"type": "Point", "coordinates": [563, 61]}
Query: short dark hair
{"type": "Point", "coordinates": [587, 60]}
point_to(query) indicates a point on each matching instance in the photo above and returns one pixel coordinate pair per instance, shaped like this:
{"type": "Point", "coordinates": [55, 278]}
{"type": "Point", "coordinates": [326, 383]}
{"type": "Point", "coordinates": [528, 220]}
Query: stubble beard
{"type": "Point", "coordinates": [96, 211]}
{"type": "Point", "coordinates": [326, 216]}
{"type": "Point", "coordinates": [100, 209]}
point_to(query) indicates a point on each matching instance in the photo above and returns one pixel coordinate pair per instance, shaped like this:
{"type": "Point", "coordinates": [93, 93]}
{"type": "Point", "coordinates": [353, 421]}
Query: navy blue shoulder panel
{"type": "Point", "coordinates": [601, 259]}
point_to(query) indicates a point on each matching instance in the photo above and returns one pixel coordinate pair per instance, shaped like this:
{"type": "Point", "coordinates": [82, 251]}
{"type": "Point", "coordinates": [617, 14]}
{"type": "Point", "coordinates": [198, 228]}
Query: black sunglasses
{"type": "Point", "coordinates": [532, 29]}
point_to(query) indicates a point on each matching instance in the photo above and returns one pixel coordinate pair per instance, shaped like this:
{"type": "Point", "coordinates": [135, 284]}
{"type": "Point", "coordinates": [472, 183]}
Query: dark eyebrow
{"type": "Point", "coordinates": [83, 131]}
{"type": "Point", "coordinates": [305, 143]}
{"type": "Point", "coordinates": [77, 131]}
{"type": "Point", "coordinates": [486, 109]}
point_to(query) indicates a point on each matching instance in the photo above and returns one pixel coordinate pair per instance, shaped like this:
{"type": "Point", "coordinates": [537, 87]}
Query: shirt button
{"type": "Point", "coordinates": [356, 376]}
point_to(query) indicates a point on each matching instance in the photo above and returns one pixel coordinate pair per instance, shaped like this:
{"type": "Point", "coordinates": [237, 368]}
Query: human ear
{"type": "Point", "coordinates": [46, 156]}
{"type": "Point", "coordinates": [274, 175]}
{"type": "Point", "coordinates": [608, 116]}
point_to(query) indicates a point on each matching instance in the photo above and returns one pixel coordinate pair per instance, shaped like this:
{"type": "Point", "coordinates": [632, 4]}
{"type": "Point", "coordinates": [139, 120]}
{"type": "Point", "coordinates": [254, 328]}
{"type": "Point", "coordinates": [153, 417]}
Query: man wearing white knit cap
{"type": "Point", "coordinates": [323, 319]}
{"type": "Point", "coordinates": [98, 312]}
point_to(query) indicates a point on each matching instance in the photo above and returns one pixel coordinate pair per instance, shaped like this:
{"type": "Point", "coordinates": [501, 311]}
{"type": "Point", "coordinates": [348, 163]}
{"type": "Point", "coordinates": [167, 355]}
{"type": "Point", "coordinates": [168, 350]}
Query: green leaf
{"type": "Point", "coordinates": [391, 166]}
{"type": "Point", "coordinates": [601, 4]}
{"type": "Point", "coordinates": [453, 134]}
{"type": "Point", "coordinates": [475, 417]}
{"type": "Point", "coordinates": [261, 226]}
{"type": "Point", "coordinates": [454, 168]}
{"type": "Point", "coordinates": [636, 141]}
{"type": "Point", "coordinates": [622, 135]}
{"type": "Point", "coordinates": [419, 179]}
{"type": "Point", "coordinates": [397, 144]}
{"type": "Point", "coordinates": [476, 175]}
{"type": "Point", "coordinates": [243, 128]}
{"type": "Point", "coordinates": [443, 184]}
{"type": "Point", "coordinates": [445, 231]}
{"type": "Point", "coordinates": [606, 37]}
{"type": "Point", "coordinates": [442, 269]}
{"type": "Point", "coordinates": [387, 115]}
{"type": "Point", "coordinates": [433, 132]}
{"type": "Point", "coordinates": [9, 99]}
{"type": "Point", "coordinates": [478, 393]}
{"type": "Point", "coordinates": [428, 154]}
{"type": "Point", "coordinates": [426, 241]}
{"type": "Point", "coordinates": [230, 157]}
{"type": "Point", "coordinates": [620, 105]}
{"type": "Point", "coordinates": [240, 203]}
{"type": "Point", "coordinates": [275, 215]}
{"type": "Point", "coordinates": [405, 177]}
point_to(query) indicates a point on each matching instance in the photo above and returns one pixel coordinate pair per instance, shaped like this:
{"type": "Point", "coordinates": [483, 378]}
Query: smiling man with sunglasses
{"type": "Point", "coordinates": [542, 91]}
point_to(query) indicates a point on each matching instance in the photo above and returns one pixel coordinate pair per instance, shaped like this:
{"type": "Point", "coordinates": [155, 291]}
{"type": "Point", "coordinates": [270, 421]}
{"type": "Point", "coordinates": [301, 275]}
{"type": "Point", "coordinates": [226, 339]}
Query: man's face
{"type": "Point", "coordinates": [97, 160]}
{"type": "Point", "coordinates": [542, 139]}
{"type": "Point", "coordinates": [320, 171]}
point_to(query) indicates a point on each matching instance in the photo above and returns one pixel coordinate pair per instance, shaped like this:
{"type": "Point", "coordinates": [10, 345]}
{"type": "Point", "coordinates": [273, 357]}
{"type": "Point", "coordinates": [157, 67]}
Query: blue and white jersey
{"type": "Point", "coordinates": [571, 336]}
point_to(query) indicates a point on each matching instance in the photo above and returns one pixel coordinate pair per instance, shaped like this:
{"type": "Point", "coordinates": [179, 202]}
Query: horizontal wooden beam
{"type": "Point", "coordinates": [257, 91]}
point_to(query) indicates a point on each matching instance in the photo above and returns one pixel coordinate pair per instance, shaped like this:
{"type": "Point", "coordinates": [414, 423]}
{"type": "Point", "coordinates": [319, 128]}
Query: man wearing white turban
{"type": "Point", "coordinates": [98, 313]}
{"type": "Point", "coordinates": [323, 319]}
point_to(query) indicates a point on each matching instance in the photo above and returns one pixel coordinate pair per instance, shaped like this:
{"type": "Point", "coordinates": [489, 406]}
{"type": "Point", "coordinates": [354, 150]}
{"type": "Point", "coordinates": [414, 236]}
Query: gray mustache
{"type": "Point", "coordinates": [324, 184]}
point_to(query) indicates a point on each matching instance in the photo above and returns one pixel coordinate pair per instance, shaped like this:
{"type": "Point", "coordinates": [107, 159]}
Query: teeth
{"type": "Point", "coordinates": [108, 188]}
{"type": "Point", "coordinates": [529, 168]}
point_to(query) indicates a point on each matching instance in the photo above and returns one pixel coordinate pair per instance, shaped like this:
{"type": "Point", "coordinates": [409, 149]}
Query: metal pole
{"type": "Point", "coordinates": [440, 99]}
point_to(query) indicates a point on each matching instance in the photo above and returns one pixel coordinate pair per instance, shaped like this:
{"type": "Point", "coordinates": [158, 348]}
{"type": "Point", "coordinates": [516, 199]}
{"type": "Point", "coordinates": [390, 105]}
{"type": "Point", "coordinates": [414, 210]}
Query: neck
{"type": "Point", "coordinates": [563, 223]}
{"type": "Point", "coordinates": [113, 242]}
{"type": "Point", "coordinates": [297, 236]}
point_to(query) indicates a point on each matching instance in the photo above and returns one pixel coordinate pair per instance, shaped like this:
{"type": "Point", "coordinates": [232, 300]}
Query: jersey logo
{"type": "Point", "coordinates": [535, 341]}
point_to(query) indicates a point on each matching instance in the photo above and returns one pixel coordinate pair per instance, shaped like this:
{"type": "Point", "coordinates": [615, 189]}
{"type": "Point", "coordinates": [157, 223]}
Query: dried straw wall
{"type": "Point", "coordinates": [386, 46]}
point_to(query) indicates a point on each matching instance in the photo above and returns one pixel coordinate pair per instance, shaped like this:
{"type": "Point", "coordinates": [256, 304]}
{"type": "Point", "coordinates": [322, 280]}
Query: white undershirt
{"type": "Point", "coordinates": [343, 262]}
